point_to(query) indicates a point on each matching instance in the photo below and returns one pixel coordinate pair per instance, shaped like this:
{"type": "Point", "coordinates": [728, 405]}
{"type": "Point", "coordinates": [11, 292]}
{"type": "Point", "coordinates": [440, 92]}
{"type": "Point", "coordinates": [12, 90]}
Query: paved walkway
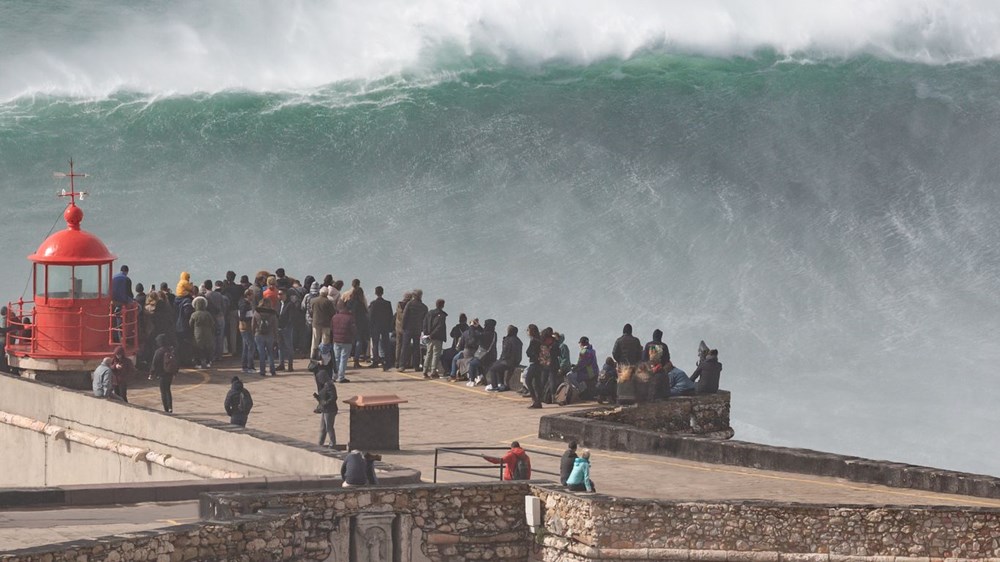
{"type": "Point", "coordinates": [443, 414]}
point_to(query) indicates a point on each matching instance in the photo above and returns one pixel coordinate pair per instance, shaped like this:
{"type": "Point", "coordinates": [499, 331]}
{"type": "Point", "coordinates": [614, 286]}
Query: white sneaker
{"type": "Point", "coordinates": [489, 388]}
{"type": "Point", "coordinates": [470, 383]}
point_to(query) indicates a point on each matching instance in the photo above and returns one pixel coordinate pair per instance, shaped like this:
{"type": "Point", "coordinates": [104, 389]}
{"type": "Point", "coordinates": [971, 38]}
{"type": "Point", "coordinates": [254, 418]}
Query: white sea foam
{"type": "Point", "coordinates": [262, 45]}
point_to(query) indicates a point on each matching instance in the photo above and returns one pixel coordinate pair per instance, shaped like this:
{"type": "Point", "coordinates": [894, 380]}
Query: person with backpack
{"type": "Point", "coordinates": [163, 367]}
{"type": "Point", "coordinates": [516, 463]}
{"type": "Point", "coordinates": [579, 479]}
{"type": "Point", "coordinates": [238, 403]}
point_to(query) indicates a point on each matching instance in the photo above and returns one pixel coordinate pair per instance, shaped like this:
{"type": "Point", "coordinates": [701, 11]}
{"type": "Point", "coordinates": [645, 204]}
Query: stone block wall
{"type": "Point", "coordinates": [582, 527]}
{"type": "Point", "coordinates": [703, 414]}
{"type": "Point", "coordinates": [448, 523]}
{"type": "Point", "coordinates": [423, 522]}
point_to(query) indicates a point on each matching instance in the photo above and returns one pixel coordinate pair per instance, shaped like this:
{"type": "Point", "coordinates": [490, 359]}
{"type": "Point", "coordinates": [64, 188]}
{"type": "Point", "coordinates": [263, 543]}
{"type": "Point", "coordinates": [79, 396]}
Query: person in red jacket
{"type": "Point", "coordinates": [516, 463]}
{"type": "Point", "coordinates": [342, 330]}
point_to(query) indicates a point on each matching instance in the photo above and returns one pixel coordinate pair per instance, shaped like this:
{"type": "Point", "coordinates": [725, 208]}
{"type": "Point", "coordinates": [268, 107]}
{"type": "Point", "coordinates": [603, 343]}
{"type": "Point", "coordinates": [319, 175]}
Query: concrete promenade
{"type": "Point", "coordinates": [443, 414]}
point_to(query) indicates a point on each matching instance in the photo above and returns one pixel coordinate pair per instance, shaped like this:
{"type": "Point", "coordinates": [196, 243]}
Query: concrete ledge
{"type": "Point", "coordinates": [619, 437]}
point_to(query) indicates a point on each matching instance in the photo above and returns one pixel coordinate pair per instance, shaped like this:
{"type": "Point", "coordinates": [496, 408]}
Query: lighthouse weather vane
{"type": "Point", "coordinates": [72, 193]}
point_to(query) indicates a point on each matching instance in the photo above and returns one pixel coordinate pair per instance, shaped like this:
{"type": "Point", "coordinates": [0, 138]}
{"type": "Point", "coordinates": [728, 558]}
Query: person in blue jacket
{"type": "Point", "coordinates": [579, 480]}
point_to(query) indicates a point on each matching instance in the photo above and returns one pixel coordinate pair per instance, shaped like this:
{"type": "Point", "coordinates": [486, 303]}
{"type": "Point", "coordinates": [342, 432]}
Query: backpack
{"type": "Point", "coordinates": [170, 363]}
{"type": "Point", "coordinates": [244, 402]}
{"type": "Point", "coordinates": [565, 394]}
{"type": "Point", "coordinates": [545, 355]}
{"type": "Point", "coordinates": [520, 471]}
{"type": "Point", "coordinates": [264, 323]}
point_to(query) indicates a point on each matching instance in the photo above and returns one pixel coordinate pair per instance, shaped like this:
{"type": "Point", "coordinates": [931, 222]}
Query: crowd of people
{"type": "Point", "coordinates": [274, 319]}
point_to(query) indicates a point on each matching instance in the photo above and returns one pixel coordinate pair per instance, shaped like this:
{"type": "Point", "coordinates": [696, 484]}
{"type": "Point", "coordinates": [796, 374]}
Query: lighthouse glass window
{"type": "Point", "coordinates": [71, 282]}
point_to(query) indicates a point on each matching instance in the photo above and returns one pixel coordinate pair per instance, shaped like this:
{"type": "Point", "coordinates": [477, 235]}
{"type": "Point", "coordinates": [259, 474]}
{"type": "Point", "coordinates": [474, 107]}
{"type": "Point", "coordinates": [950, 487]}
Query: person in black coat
{"type": "Point", "coordinates": [658, 347]}
{"type": "Point", "coordinates": [238, 403]}
{"type": "Point", "coordinates": [286, 331]}
{"type": "Point", "coordinates": [413, 324]}
{"type": "Point", "coordinates": [566, 462]}
{"type": "Point", "coordinates": [510, 358]}
{"type": "Point", "coordinates": [381, 320]}
{"type": "Point", "coordinates": [628, 348]}
{"type": "Point", "coordinates": [707, 375]}
{"type": "Point", "coordinates": [436, 329]}
{"type": "Point", "coordinates": [327, 406]}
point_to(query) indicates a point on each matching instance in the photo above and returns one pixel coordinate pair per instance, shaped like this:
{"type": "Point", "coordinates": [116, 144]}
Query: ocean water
{"type": "Point", "coordinates": [811, 187]}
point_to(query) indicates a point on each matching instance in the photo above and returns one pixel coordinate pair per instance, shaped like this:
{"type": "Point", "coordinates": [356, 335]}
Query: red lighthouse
{"type": "Point", "coordinates": [72, 323]}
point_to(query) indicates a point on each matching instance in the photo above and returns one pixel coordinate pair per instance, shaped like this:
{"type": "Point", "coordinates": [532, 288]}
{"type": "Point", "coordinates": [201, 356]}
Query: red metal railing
{"type": "Point", "coordinates": [24, 334]}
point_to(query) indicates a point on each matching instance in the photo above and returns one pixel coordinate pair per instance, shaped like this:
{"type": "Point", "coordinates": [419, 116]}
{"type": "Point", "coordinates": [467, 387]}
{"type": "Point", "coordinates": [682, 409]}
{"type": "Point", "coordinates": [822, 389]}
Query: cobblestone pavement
{"type": "Point", "coordinates": [443, 414]}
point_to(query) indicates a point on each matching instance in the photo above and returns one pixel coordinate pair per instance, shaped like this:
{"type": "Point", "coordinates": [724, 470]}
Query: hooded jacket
{"type": "Point", "coordinates": [565, 363]}
{"type": "Point", "coordinates": [232, 403]}
{"type": "Point", "coordinates": [307, 301]}
{"type": "Point", "coordinates": [657, 341]}
{"type": "Point", "coordinates": [488, 341]}
{"type": "Point", "coordinates": [586, 363]}
{"type": "Point", "coordinates": [580, 474]}
{"type": "Point", "coordinates": [184, 285]}
{"type": "Point", "coordinates": [203, 324]}
{"type": "Point", "coordinates": [435, 325]}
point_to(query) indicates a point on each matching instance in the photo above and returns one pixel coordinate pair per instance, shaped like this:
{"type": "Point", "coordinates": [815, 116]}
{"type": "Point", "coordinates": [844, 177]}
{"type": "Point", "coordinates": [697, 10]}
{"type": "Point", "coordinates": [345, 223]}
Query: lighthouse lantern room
{"type": "Point", "coordinates": [72, 321]}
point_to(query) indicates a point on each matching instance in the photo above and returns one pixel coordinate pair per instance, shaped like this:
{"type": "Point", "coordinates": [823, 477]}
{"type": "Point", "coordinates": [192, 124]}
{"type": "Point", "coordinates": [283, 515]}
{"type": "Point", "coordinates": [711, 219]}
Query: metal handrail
{"type": "Point", "coordinates": [467, 469]}
{"type": "Point", "coordinates": [19, 311]}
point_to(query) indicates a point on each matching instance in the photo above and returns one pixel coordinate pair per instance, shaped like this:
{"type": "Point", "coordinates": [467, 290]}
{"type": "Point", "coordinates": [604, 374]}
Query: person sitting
{"type": "Point", "coordinates": [102, 379]}
{"type": "Point", "coordinates": [359, 469]}
{"type": "Point", "coordinates": [585, 373]}
{"type": "Point", "coordinates": [566, 462]}
{"type": "Point", "coordinates": [607, 382]}
{"type": "Point", "coordinates": [680, 384]}
{"type": "Point", "coordinates": [707, 373]}
{"type": "Point", "coordinates": [579, 480]}
{"type": "Point", "coordinates": [510, 357]}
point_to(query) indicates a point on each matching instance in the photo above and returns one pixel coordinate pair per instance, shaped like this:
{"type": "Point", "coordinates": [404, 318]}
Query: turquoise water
{"type": "Point", "coordinates": [821, 209]}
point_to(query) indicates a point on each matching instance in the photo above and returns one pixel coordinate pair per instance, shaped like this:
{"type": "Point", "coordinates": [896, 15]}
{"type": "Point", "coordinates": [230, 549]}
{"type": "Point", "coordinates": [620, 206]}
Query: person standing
{"type": "Point", "coordinates": [413, 324]}
{"type": "Point", "coordinates": [400, 312]}
{"type": "Point", "coordinates": [234, 292]}
{"type": "Point", "coordinates": [265, 327]}
{"type": "Point", "coordinates": [203, 327]}
{"type": "Point", "coordinates": [381, 321]}
{"type": "Point", "coordinates": [628, 349]}
{"type": "Point", "coordinates": [286, 329]}
{"type": "Point", "coordinates": [121, 296]}
{"type": "Point", "coordinates": [342, 328]}
{"type": "Point", "coordinates": [245, 314]}
{"type": "Point", "coordinates": [566, 462]}
{"type": "Point", "coordinates": [436, 329]}
{"type": "Point", "coordinates": [238, 403]}
{"type": "Point", "coordinates": [327, 407]}
{"type": "Point", "coordinates": [322, 313]}
{"type": "Point", "coordinates": [163, 367]}
{"type": "Point", "coordinates": [532, 374]}
{"type": "Point", "coordinates": [217, 308]}
{"type": "Point", "coordinates": [122, 371]}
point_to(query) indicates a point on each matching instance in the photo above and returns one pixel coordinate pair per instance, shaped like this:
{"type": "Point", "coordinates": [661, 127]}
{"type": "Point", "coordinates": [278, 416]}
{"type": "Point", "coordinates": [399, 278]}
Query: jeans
{"type": "Point", "coordinates": [381, 349]}
{"type": "Point", "coordinates": [432, 362]}
{"type": "Point", "coordinates": [166, 379]}
{"type": "Point", "coordinates": [265, 348]}
{"type": "Point", "coordinates": [533, 380]}
{"type": "Point", "coordinates": [341, 351]}
{"type": "Point", "coordinates": [285, 350]}
{"type": "Point", "coordinates": [326, 428]}
{"type": "Point", "coordinates": [248, 345]}
{"type": "Point", "coordinates": [497, 374]}
{"type": "Point", "coordinates": [360, 346]}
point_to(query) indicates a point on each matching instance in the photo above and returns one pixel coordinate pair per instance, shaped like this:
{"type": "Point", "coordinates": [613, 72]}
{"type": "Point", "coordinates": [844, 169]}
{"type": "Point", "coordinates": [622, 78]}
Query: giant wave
{"type": "Point", "coordinates": [813, 195]}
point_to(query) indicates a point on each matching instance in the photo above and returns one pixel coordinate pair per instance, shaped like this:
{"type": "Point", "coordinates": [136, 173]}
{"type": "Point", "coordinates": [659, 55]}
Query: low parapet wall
{"type": "Point", "coordinates": [452, 523]}
{"type": "Point", "coordinates": [52, 436]}
{"type": "Point", "coordinates": [580, 527]}
{"type": "Point", "coordinates": [591, 431]}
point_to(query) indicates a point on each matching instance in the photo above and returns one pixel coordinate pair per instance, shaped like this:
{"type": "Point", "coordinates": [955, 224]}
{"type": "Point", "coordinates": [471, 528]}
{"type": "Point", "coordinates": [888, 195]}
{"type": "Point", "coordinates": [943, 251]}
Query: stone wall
{"type": "Point", "coordinates": [449, 523]}
{"type": "Point", "coordinates": [592, 526]}
{"type": "Point", "coordinates": [703, 414]}
{"type": "Point", "coordinates": [593, 429]}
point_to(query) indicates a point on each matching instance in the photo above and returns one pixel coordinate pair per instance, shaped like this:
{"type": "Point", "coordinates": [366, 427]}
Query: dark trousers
{"type": "Point", "coordinates": [411, 350]}
{"type": "Point", "coordinates": [382, 350]}
{"type": "Point", "coordinates": [165, 395]}
{"type": "Point", "coordinates": [498, 374]}
{"type": "Point", "coordinates": [533, 378]}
